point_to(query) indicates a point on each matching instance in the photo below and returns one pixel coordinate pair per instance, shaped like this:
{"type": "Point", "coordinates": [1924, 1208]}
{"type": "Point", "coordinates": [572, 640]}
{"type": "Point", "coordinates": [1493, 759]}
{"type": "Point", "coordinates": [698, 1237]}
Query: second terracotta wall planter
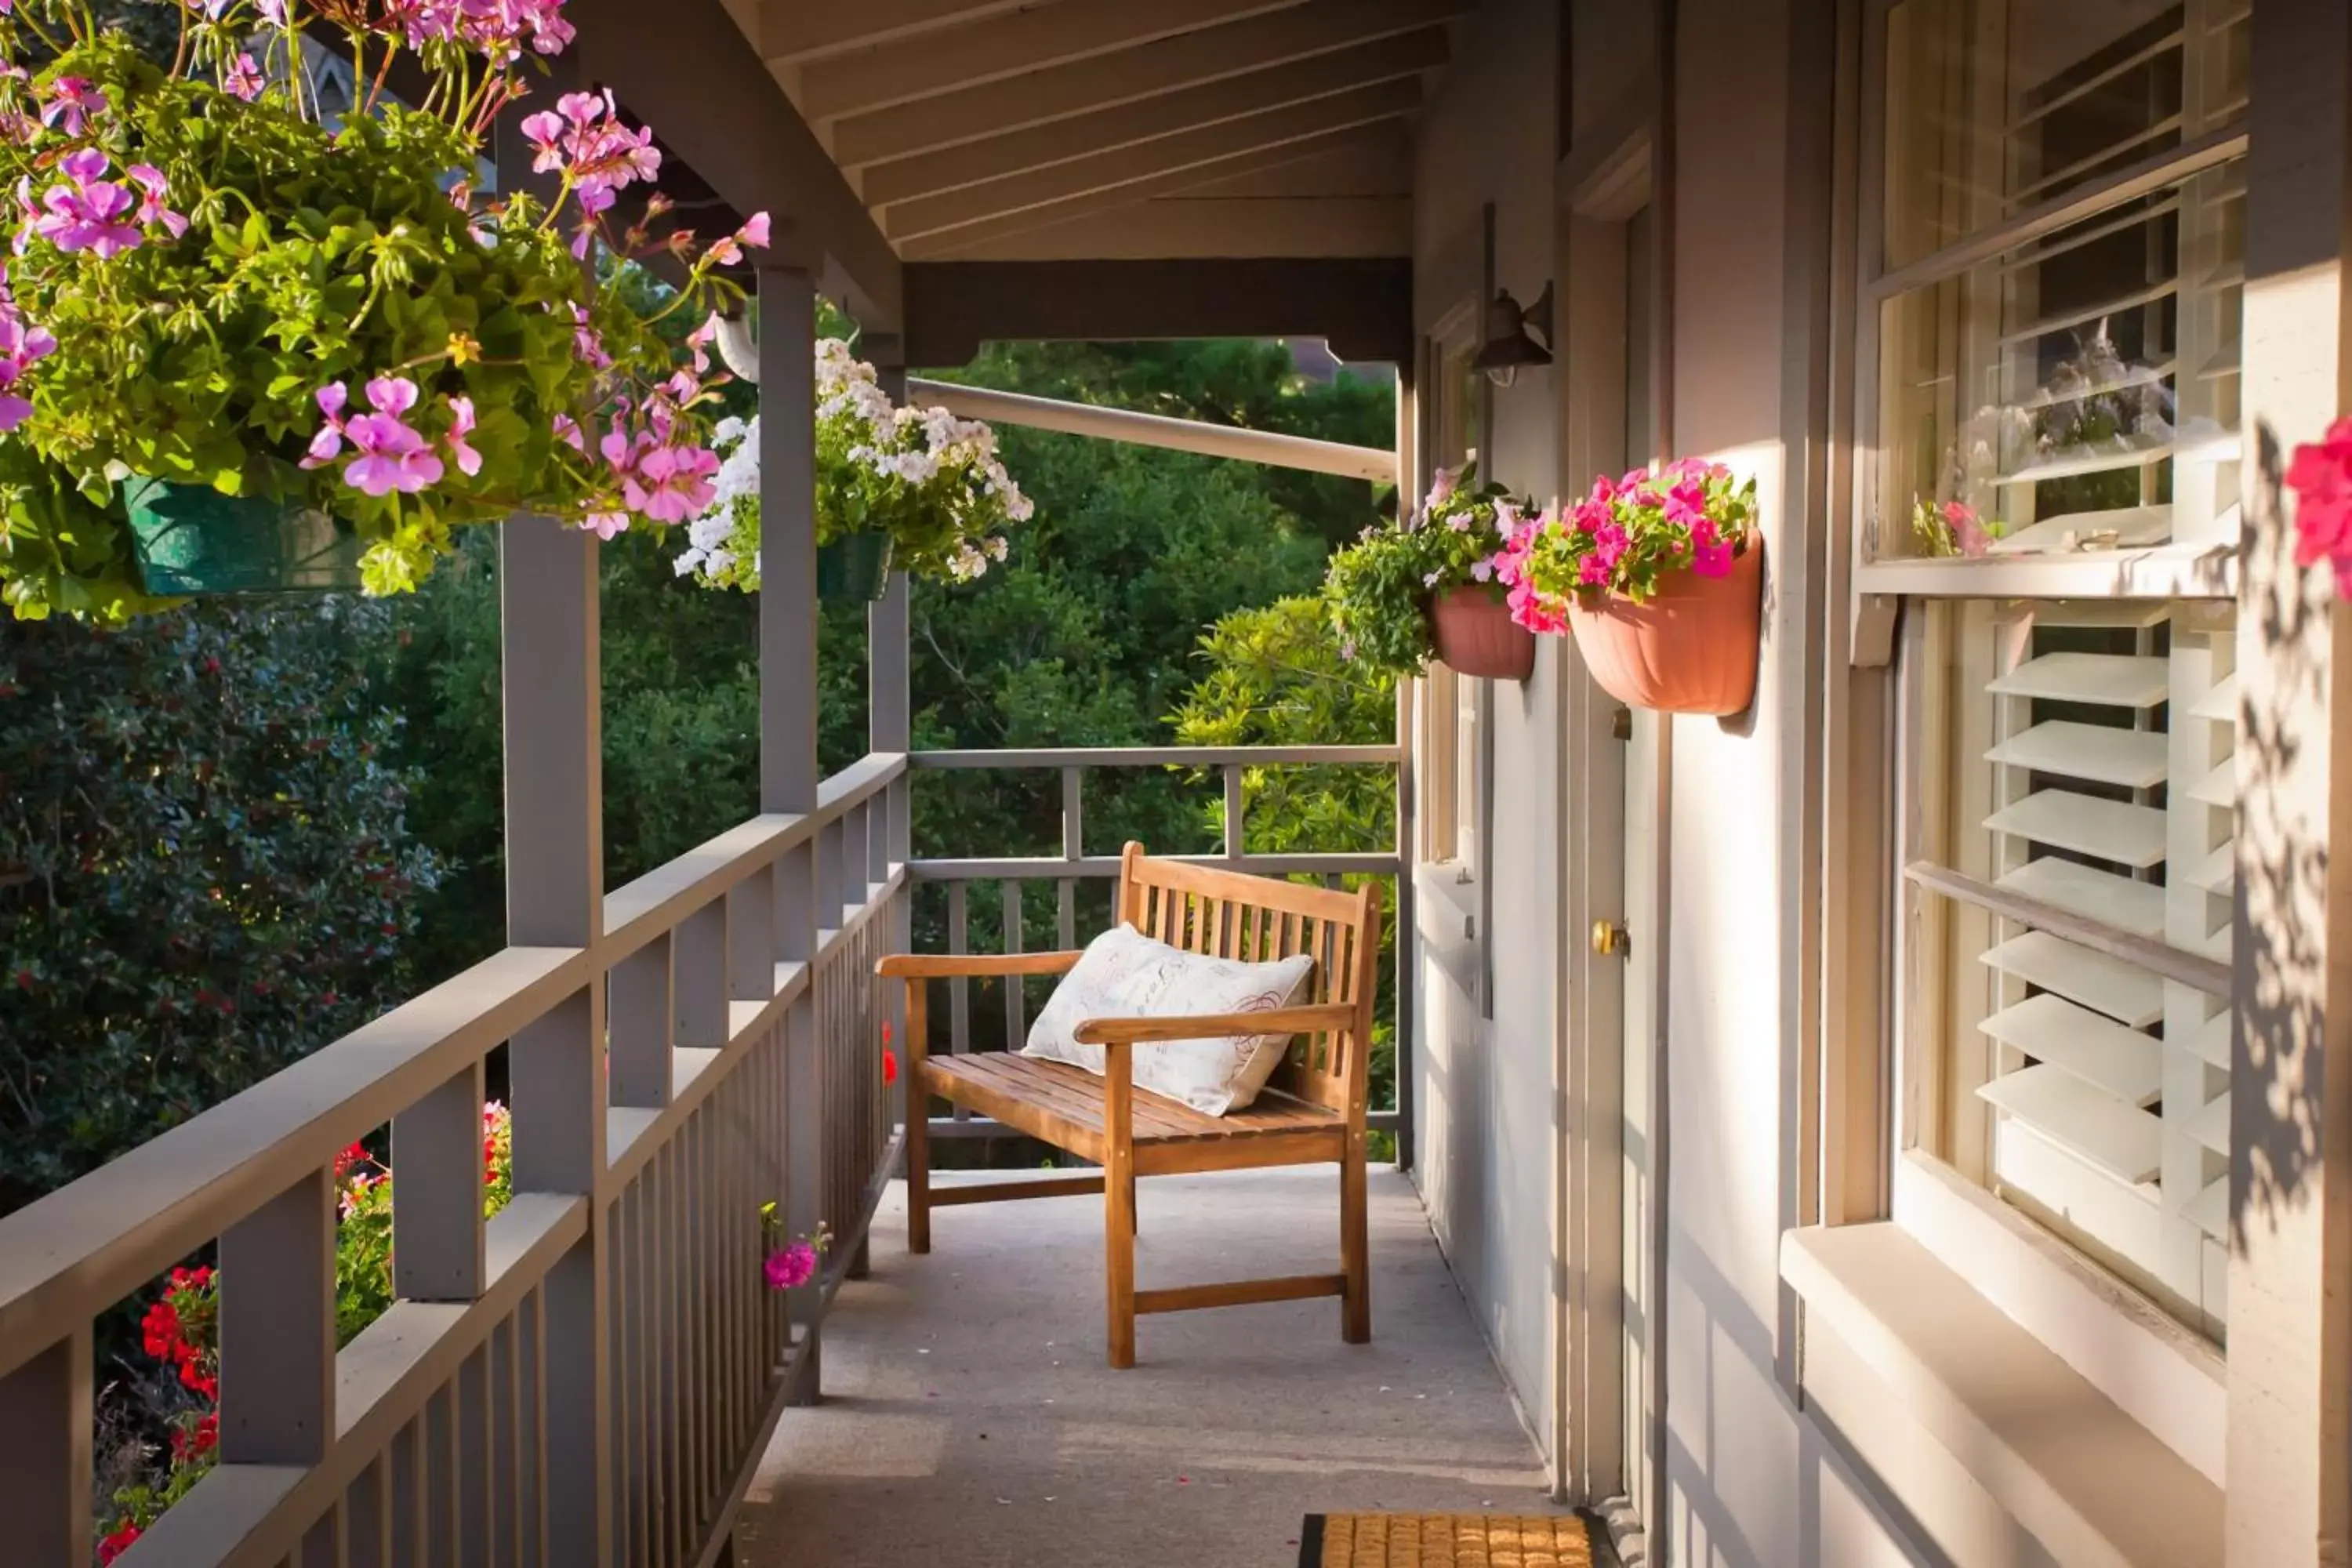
{"type": "Point", "coordinates": [1691, 649]}
{"type": "Point", "coordinates": [1475, 635]}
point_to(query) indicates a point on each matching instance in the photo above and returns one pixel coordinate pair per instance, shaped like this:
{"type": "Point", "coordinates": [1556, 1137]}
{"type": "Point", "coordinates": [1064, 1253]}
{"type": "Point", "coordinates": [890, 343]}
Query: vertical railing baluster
{"type": "Point", "coordinates": [45, 1466]}
{"type": "Point", "coordinates": [958, 988]}
{"type": "Point", "coordinates": [1016, 1002]}
{"type": "Point", "coordinates": [474, 1511]}
{"type": "Point", "coordinates": [1074, 839]}
{"type": "Point", "coordinates": [506, 1441]}
{"type": "Point", "coordinates": [438, 1476]}
{"type": "Point", "coordinates": [1234, 837]}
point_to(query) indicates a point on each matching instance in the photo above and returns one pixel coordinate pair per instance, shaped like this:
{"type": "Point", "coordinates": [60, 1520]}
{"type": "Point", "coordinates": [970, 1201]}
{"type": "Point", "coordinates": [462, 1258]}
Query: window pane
{"type": "Point", "coordinates": [2078, 393]}
{"type": "Point", "coordinates": [1996, 106]}
{"type": "Point", "coordinates": [2086, 760]}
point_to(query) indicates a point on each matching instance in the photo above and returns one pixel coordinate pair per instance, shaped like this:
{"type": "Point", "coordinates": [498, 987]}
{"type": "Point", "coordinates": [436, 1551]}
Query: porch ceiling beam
{"type": "Point", "coordinates": [1051, 35]}
{"type": "Point", "coordinates": [1201, 154]}
{"type": "Point", "coordinates": [1220, 228]}
{"type": "Point", "coordinates": [1171, 65]}
{"type": "Point", "coordinates": [948, 242]}
{"type": "Point", "coordinates": [795, 30]}
{"type": "Point", "coordinates": [682, 66]}
{"type": "Point", "coordinates": [1066, 141]}
{"type": "Point", "coordinates": [1268, 447]}
{"type": "Point", "coordinates": [1364, 307]}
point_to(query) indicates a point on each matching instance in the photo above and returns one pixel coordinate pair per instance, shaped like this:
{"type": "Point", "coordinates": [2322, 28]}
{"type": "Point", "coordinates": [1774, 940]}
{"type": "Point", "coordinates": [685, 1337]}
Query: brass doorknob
{"type": "Point", "coordinates": [1609, 937]}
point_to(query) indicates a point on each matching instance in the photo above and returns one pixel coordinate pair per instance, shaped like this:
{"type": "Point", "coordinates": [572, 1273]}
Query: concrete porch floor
{"type": "Point", "coordinates": [969, 1418]}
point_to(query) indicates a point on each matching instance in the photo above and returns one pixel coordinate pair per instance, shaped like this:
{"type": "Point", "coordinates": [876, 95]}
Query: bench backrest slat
{"type": "Point", "coordinates": [1229, 914]}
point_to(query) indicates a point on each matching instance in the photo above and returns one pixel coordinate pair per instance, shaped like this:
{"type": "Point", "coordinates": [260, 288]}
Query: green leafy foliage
{"type": "Point", "coordinates": [310, 259]}
{"type": "Point", "coordinates": [210, 868]}
{"type": "Point", "coordinates": [1379, 587]}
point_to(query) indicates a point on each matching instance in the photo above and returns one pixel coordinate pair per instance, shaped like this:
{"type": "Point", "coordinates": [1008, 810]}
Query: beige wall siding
{"type": "Point", "coordinates": [1750, 1480]}
{"type": "Point", "coordinates": [1488, 1135]}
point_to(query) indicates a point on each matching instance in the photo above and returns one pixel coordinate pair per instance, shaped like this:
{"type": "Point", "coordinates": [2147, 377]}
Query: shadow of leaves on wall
{"type": "Point", "coordinates": [2278, 1055]}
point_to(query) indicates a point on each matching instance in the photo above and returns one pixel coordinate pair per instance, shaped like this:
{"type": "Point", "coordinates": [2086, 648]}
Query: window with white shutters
{"type": "Point", "coordinates": [2048, 369]}
{"type": "Point", "coordinates": [2082, 858]}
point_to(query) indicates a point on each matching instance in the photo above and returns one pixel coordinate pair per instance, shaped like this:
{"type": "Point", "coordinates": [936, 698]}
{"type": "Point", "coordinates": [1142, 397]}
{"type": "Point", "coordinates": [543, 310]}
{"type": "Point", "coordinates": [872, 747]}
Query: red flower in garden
{"type": "Point", "coordinates": [117, 1543]}
{"type": "Point", "coordinates": [890, 1057]}
{"type": "Point", "coordinates": [159, 1330]}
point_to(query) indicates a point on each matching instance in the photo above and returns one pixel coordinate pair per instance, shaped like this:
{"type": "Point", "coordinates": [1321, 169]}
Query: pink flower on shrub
{"type": "Point", "coordinates": [243, 80]}
{"type": "Point", "coordinates": [152, 209]}
{"type": "Point", "coordinates": [753, 234]}
{"type": "Point", "coordinates": [2320, 474]}
{"type": "Point", "coordinates": [86, 213]}
{"type": "Point", "coordinates": [461, 425]}
{"type": "Point", "coordinates": [1712, 560]}
{"type": "Point", "coordinates": [72, 100]}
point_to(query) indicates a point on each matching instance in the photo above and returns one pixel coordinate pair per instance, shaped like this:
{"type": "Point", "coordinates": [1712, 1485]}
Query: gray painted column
{"type": "Point", "coordinates": [890, 727]}
{"type": "Point", "coordinates": [555, 885]}
{"type": "Point", "coordinates": [2289, 1501]}
{"type": "Point", "coordinates": [788, 706]}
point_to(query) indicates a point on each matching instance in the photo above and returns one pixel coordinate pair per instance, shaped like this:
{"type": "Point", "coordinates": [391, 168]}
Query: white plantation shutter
{"type": "Point", "coordinates": [2111, 781]}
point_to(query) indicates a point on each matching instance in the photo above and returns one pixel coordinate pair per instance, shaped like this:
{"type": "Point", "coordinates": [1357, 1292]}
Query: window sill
{"type": "Point", "coordinates": [2072, 1468]}
{"type": "Point", "coordinates": [1445, 918]}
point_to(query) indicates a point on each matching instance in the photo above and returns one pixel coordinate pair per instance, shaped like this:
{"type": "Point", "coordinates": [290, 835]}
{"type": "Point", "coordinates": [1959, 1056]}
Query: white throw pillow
{"type": "Point", "coordinates": [1125, 975]}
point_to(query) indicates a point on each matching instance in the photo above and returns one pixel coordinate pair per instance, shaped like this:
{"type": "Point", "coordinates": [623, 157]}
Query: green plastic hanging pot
{"type": "Point", "coordinates": [854, 568]}
{"type": "Point", "coordinates": [191, 541]}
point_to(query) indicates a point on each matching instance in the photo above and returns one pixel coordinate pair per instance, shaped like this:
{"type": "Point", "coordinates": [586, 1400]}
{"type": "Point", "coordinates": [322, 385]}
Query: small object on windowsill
{"type": "Point", "coordinates": [2095, 539]}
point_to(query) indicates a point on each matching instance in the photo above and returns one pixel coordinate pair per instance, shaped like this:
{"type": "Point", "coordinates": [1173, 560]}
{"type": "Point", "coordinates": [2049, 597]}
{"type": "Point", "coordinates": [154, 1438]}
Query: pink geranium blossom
{"type": "Point", "coordinates": [2320, 474]}
{"type": "Point", "coordinates": [244, 78]}
{"type": "Point", "coordinates": [389, 455]}
{"type": "Point", "coordinates": [461, 425]}
{"type": "Point", "coordinates": [72, 100]}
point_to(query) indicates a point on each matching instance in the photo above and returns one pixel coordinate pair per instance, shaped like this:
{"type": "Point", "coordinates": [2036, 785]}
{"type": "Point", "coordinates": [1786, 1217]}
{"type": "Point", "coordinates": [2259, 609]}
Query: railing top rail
{"type": "Point", "coordinates": [1162, 756]}
{"type": "Point", "coordinates": [1053, 867]}
{"type": "Point", "coordinates": [74, 1253]}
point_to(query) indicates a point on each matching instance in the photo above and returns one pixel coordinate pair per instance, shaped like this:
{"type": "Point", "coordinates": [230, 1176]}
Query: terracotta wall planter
{"type": "Point", "coordinates": [1691, 649]}
{"type": "Point", "coordinates": [1475, 635]}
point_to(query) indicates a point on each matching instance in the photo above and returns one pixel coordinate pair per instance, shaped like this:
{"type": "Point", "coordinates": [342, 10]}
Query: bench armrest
{"type": "Point", "coordinates": [1210, 1025]}
{"type": "Point", "coordinates": [936, 965]}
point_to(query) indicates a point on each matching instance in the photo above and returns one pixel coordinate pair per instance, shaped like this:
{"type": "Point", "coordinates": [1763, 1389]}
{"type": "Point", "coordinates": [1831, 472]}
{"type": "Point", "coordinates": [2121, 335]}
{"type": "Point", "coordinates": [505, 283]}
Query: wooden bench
{"type": "Point", "coordinates": [1312, 1112]}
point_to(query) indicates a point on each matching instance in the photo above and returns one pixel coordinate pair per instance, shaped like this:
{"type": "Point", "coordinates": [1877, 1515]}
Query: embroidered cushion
{"type": "Point", "coordinates": [1126, 974]}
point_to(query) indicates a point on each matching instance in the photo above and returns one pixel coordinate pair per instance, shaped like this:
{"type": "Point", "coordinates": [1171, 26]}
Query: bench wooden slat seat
{"type": "Point", "coordinates": [1311, 1113]}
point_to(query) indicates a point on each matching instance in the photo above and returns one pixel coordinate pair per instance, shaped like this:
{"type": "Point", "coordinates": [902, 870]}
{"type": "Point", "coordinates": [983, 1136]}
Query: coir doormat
{"type": "Point", "coordinates": [1445, 1541]}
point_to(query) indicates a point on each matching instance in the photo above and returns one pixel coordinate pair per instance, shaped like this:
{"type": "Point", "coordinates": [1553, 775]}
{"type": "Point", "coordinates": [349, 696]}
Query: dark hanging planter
{"type": "Point", "coordinates": [1474, 634]}
{"type": "Point", "coordinates": [191, 541]}
{"type": "Point", "coordinates": [853, 569]}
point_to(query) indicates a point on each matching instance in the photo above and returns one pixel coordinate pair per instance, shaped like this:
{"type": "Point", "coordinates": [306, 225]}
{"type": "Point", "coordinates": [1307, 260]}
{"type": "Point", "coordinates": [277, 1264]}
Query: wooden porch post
{"type": "Point", "coordinates": [555, 886]}
{"type": "Point", "coordinates": [788, 764]}
{"type": "Point", "coordinates": [890, 726]}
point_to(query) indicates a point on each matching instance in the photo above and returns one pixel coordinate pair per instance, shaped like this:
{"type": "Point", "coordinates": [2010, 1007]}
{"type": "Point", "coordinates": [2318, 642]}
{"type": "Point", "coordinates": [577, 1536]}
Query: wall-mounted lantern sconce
{"type": "Point", "coordinates": [1507, 345]}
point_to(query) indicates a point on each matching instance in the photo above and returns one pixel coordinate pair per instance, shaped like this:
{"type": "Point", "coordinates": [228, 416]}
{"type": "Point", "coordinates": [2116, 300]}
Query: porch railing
{"type": "Point", "coordinates": [1010, 876]}
{"type": "Point", "coordinates": [476, 1420]}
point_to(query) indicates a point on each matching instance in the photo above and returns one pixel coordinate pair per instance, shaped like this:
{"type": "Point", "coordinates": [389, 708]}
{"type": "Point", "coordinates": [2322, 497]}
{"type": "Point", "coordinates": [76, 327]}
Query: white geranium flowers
{"type": "Point", "coordinates": [930, 481]}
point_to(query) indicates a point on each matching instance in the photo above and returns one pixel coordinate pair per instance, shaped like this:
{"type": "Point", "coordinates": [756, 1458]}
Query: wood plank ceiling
{"type": "Point", "coordinates": [1052, 130]}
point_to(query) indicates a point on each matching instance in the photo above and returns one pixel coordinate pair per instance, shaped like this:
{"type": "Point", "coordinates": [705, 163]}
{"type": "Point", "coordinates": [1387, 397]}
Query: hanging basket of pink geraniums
{"type": "Point", "coordinates": [1658, 576]}
{"type": "Point", "coordinates": [254, 340]}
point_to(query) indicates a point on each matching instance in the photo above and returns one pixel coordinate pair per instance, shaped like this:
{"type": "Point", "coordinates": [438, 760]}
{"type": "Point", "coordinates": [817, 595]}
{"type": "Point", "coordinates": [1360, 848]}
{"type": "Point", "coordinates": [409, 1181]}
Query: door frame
{"type": "Point", "coordinates": [1597, 197]}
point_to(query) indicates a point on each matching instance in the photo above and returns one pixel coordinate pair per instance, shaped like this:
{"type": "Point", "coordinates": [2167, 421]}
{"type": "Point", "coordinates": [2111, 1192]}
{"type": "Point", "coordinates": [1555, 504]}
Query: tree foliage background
{"type": "Point", "coordinates": [301, 810]}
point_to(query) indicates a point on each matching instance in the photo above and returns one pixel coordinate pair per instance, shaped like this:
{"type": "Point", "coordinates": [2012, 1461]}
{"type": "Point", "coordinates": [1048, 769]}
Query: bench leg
{"type": "Point", "coordinates": [919, 1120]}
{"type": "Point", "coordinates": [1119, 1204]}
{"type": "Point", "coordinates": [1355, 1247]}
